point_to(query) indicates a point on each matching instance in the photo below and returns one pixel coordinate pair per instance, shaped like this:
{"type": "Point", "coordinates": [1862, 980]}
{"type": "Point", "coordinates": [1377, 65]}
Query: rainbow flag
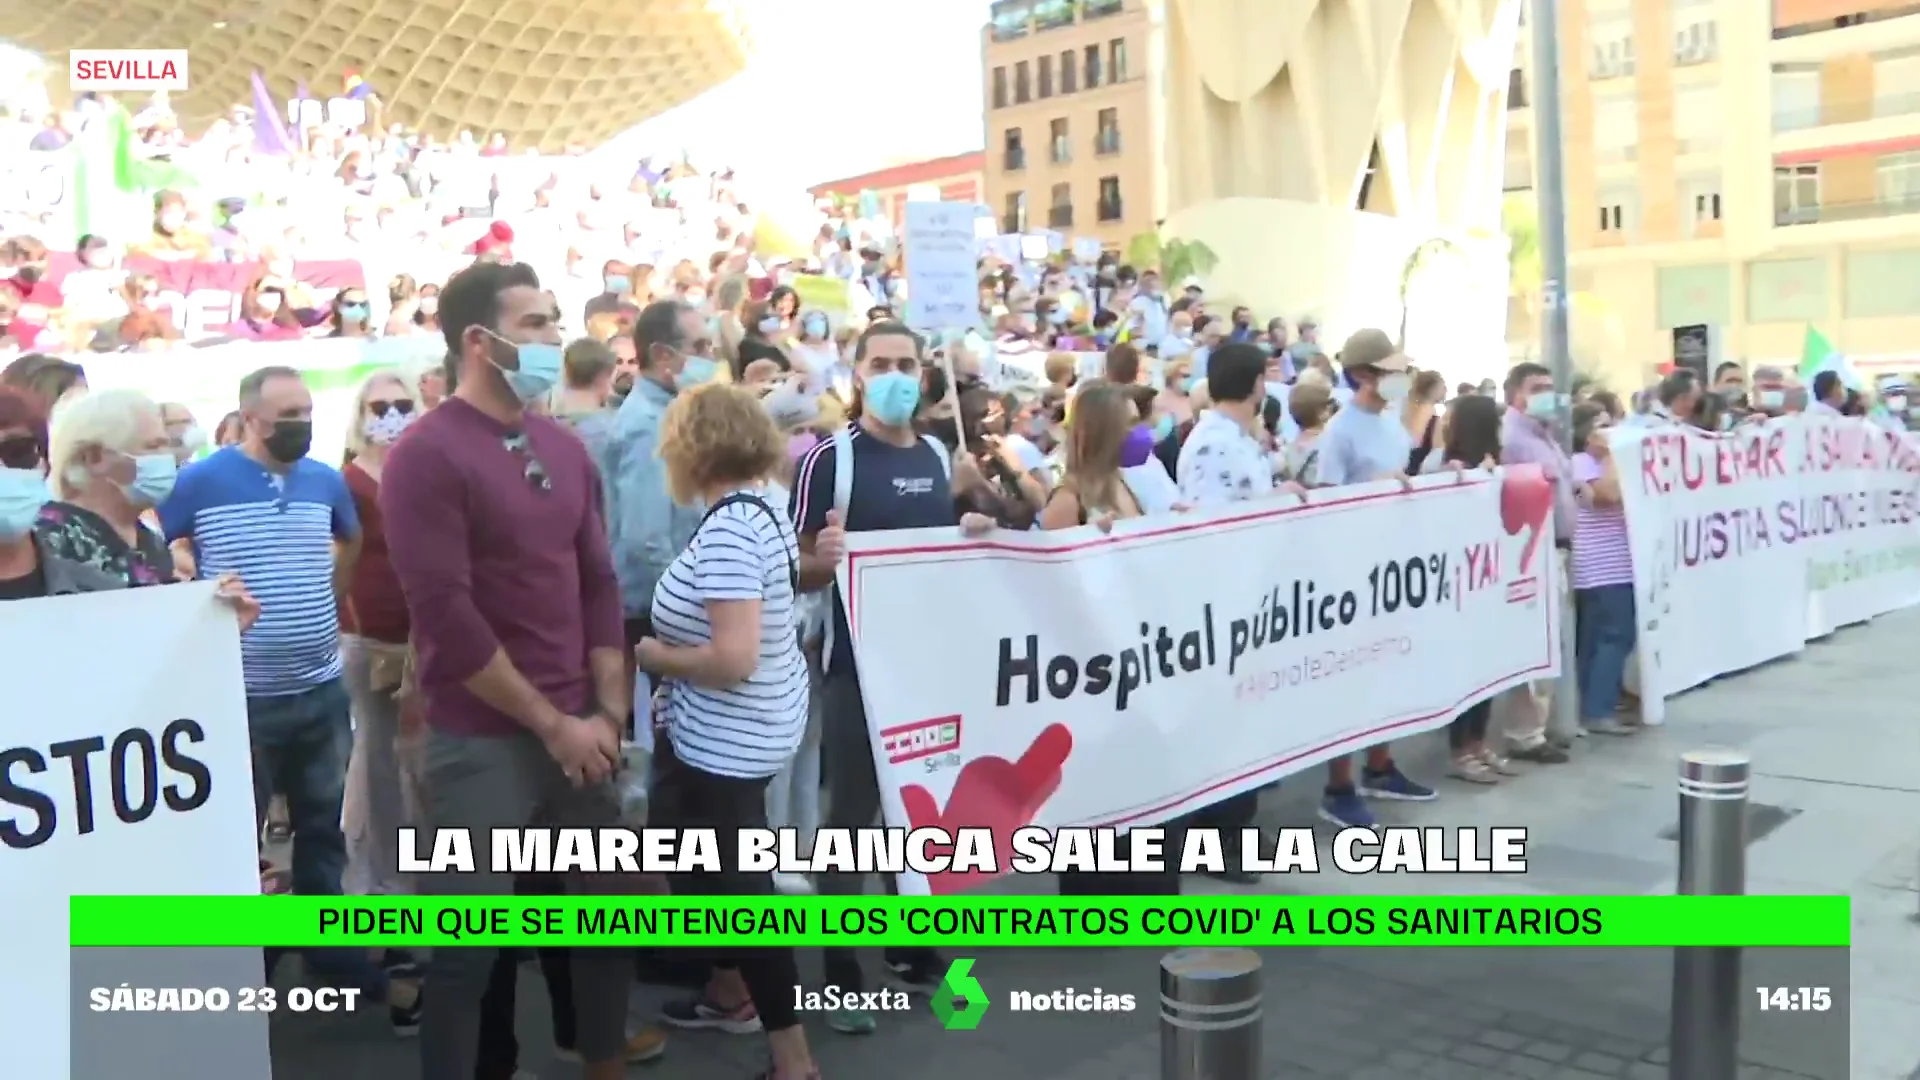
{"type": "Point", "coordinates": [357, 88]}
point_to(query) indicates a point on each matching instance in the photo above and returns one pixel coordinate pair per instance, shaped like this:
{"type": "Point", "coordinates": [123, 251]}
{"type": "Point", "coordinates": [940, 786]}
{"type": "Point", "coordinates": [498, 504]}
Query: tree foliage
{"type": "Point", "coordinates": [1176, 259]}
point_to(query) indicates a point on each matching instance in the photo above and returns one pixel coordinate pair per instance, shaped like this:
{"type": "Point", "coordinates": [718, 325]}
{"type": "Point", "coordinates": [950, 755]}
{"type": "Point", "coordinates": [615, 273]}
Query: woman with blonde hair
{"type": "Point", "coordinates": [727, 649]}
{"type": "Point", "coordinates": [381, 792]}
{"type": "Point", "coordinates": [728, 299]}
{"type": "Point", "coordinates": [1093, 487]}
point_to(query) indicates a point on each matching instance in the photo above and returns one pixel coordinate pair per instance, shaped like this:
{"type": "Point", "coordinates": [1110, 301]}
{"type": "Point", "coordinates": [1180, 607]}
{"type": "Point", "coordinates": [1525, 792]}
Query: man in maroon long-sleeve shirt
{"type": "Point", "coordinates": [494, 527]}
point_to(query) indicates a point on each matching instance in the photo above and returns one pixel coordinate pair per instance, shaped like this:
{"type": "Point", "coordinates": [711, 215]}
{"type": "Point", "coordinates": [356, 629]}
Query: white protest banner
{"type": "Point", "coordinates": [37, 183]}
{"type": "Point", "coordinates": [207, 380]}
{"type": "Point", "coordinates": [1861, 507]}
{"type": "Point", "coordinates": [1785, 530]}
{"type": "Point", "coordinates": [130, 778]}
{"type": "Point", "coordinates": [1098, 680]}
{"type": "Point", "coordinates": [943, 292]}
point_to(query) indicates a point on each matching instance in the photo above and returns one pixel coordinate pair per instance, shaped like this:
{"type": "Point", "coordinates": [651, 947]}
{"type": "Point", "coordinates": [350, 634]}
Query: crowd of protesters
{"type": "Point", "coordinates": [581, 574]}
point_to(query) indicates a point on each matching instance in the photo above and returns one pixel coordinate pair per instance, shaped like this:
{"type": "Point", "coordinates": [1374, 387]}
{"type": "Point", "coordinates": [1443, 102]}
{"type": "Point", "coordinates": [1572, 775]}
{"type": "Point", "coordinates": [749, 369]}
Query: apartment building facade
{"type": "Point", "coordinates": [1069, 115]}
{"type": "Point", "coordinates": [1746, 165]}
{"type": "Point", "coordinates": [954, 178]}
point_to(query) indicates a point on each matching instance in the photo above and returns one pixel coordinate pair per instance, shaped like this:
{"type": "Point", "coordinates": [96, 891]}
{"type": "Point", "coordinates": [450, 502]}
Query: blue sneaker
{"type": "Point", "coordinates": [1347, 810]}
{"type": "Point", "coordinates": [1393, 784]}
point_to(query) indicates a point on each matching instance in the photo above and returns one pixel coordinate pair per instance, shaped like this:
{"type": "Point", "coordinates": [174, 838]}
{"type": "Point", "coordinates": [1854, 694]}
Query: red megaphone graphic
{"type": "Point", "coordinates": [992, 793]}
{"type": "Point", "coordinates": [1526, 498]}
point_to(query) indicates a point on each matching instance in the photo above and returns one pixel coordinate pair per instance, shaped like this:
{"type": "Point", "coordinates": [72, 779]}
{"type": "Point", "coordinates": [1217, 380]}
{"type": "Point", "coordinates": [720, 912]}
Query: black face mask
{"type": "Point", "coordinates": [290, 440]}
{"type": "Point", "coordinates": [622, 386]}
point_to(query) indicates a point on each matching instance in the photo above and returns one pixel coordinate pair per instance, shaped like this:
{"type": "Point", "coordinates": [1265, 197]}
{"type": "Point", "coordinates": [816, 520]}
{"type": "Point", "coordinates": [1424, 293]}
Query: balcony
{"type": "Point", "coordinates": [1014, 160]}
{"type": "Point", "coordinates": [1107, 142]}
{"type": "Point", "coordinates": [1798, 18]}
{"type": "Point", "coordinates": [1060, 217]}
{"type": "Point", "coordinates": [1846, 211]}
{"type": "Point", "coordinates": [1012, 20]}
{"type": "Point", "coordinates": [1881, 107]}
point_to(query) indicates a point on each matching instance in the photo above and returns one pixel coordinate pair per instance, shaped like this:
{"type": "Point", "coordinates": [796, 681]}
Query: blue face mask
{"type": "Point", "coordinates": [22, 493]}
{"type": "Point", "coordinates": [1162, 428]}
{"type": "Point", "coordinates": [1187, 384]}
{"type": "Point", "coordinates": [353, 312]}
{"type": "Point", "coordinates": [697, 370]}
{"type": "Point", "coordinates": [153, 477]}
{"type": "Point", "coordinates": [892, 397]}
{"type": "Point", "coordinates": [616, 283]}
{"type": "Point", "coordinates": [539, 369]}
{"type": "Point", "coordinates": [816, 326]}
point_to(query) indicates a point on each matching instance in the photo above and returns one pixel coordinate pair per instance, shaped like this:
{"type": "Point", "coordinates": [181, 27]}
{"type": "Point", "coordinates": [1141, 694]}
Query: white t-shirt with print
{"type": "Point", "coordinates": [1221, 463]}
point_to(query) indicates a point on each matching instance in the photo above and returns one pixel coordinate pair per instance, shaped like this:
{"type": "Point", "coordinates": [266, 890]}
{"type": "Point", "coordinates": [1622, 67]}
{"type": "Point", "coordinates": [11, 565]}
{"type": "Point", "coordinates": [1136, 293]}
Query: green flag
{"type": "Point", "coordinates": [1814, 352]}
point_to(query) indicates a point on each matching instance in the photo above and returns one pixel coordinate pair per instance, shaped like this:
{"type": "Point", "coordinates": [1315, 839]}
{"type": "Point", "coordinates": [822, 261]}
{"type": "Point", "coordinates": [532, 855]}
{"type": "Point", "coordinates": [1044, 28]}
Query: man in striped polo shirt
{"type": "Point", "coordinates": [285, 524]}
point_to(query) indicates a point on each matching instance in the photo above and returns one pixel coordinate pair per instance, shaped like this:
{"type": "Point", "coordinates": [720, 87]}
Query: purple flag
{"type": "Point", "coordinates": [269, 130]}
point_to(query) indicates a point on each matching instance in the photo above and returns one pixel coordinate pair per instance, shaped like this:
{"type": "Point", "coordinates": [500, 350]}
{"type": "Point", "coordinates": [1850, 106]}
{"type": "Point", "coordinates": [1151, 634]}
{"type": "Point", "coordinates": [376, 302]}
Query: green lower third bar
{"type": "Point", "coordinates": [960, 922]}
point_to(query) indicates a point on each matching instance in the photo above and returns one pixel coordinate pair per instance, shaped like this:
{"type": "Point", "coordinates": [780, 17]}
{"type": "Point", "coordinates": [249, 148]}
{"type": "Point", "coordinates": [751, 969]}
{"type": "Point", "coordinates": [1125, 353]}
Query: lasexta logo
{"type": "Point", "coordinates": [961, 1001]}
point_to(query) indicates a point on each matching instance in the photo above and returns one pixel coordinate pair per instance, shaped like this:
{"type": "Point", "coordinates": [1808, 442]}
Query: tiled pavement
{"type": "Point", "coordinates": [1834, 743]}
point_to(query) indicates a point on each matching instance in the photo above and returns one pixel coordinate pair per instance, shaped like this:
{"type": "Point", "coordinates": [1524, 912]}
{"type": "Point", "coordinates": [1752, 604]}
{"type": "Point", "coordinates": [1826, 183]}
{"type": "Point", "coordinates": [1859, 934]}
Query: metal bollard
{"type": "Point", "coordinates": [1704, 1040]}
{"type": "Point", "coordinates": [1210, 1015]}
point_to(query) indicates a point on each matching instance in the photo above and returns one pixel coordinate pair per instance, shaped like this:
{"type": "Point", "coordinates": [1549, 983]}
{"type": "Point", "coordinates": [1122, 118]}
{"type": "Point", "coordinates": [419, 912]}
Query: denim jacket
{"type": "Point", "coordinates": [646, 528]}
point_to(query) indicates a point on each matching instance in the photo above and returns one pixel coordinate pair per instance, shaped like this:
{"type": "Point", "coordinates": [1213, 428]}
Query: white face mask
{"type": "Point", "coordinates": [1897, 402]}
{"type": "Point", "coordinates": [1394, 387]}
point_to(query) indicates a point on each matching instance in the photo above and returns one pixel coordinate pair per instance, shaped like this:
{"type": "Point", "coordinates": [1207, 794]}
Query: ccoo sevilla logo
{"type": "Point", "coordinates": [1526, 501]}
{"type": "Point", "coordinates": [122, 70]}
{"type": "Point", "coordinates": [992, 793]}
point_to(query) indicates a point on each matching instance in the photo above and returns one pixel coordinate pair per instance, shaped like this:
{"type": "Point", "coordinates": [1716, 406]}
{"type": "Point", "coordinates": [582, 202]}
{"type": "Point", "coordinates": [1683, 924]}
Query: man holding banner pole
{"type": "Point", "coordinates": [1364, 443]}
{"type": "Point", "coordinates": [876, 473]}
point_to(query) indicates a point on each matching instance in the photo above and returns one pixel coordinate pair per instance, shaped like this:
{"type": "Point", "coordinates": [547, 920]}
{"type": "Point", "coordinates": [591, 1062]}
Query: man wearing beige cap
{"type": "Point", "coordinates": [1365, 442]}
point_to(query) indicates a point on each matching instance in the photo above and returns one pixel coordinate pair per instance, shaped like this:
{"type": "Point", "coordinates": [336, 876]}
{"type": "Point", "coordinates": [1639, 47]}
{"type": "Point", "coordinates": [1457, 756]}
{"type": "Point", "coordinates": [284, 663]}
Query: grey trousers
{"type": "Point", "coordinates": [484, 783]}
{"type": "Point", "coordinates": [383, 782]}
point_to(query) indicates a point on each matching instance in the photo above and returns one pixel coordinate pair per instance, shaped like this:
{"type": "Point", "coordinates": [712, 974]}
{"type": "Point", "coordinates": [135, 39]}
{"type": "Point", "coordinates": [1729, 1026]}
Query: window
{"type": "Point", "coordinates": [1706, 206]}
{"type": "Point", "coordinates": [1696, 118]}
{"type": "Point", "coordinates": [1106, 140]}
{"type": "Point", "coordinates": [1015, 219]}
{"type": "Point", "coordinates": [1046, 76]}
{"type": "Point", "coordinates": [1052, 14]}
{"type": "Point", "coordinates": [1697, 43]}
{"type": "Point", "coordinates": [1010, 20]}
{"type": "Point", "coordinates": [1061, 150]}
{"type": "Point", "coordinates": [1897, 179]}
{"type": "Point", "coordinates": [1796, 194]}
{"type": "Point", "coordinates": [1619, 207]}
{"type": "Point", "coordinates": [1796, 97]}
{"type": "Point", "coordinates": [1896, 82]}
{"type": "Point", "coordinates": [1092, 66]}
{"type": "Point", "coordinates": [1016, 151]}
{"type": "Point", "coordinates": [1000, 88]}
{"type": "Point", "coordinates": [1616, 128]}
{"type": "Point", "coordinates": [1612, 56]}
{"type": "Point", "coordinates": [1022, 85]}
{"type": "Point", "coordinates": [1117, 60]}
{"type": "Point", "coordinates": [1109, 208]}
{"type": "Point", "coordinates": [1611, 219]}
{"type": "Point", "coordinates": [1516, 89]}
{"type": "Point", "coordinates": [1060, 210]}
{"type": "Point", "coordinates": [1069, 71]}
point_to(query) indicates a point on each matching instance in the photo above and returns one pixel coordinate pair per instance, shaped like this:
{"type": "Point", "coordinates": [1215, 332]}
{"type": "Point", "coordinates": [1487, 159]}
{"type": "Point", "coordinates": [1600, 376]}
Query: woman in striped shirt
{"type": "Point", "coordinates": [728, 648]}
{"type": "Point", "coordinates": [1602, 575]}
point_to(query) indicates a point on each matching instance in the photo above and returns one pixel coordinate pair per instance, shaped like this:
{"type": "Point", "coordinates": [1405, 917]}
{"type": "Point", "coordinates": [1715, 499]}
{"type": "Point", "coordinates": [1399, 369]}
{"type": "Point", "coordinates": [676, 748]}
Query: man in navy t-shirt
{"type": "Point", "coordinates": [901, 480]}
{"type": "Point", "coordinates": [284, 524]}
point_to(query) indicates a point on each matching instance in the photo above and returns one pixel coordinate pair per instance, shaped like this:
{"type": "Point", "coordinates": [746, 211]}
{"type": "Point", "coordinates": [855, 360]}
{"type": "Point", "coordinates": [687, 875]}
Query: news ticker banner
{"type": "Point", "coordinates": [192, 1013]}
{"type": "Point", "coordinates": [1787, 529]}
{"type": "Point", "coordinates": [1074, 678]}
{"type": "Point", "coordinates": [959, 922]}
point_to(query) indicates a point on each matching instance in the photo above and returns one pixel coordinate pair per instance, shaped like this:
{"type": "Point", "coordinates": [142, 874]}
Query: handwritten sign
{"type": "Point", "coordinates": [942, 290]}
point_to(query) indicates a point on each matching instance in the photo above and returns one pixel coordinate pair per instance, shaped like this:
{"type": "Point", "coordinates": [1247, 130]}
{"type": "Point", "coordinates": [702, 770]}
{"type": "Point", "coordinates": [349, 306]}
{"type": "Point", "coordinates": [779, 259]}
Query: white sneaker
{"type": "Point", "coordinates": [792, 884]}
